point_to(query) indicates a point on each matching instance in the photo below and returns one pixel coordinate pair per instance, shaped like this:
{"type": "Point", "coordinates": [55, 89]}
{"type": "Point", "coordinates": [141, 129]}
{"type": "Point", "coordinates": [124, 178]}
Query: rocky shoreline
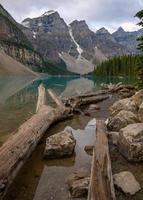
{"type": "Point", "coordinates": [125, 129]}
{"type": "Point", "coordinates": [125, 132]}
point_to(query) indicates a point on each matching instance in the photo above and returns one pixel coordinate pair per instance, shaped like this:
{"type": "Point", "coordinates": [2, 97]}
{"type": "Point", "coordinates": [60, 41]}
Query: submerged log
{"type": "Point", "coordinates": [77, 102]}
{"type": "Point", "coordinates": [57, 100]}
{"type": "Point", "coordinates": [101, 183]}
{"type": "Point", "coordinates": [17, 148]}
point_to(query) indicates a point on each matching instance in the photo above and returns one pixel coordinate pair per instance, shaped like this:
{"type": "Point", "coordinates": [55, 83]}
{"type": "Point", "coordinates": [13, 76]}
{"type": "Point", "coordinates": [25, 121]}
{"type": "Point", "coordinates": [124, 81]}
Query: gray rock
{"type": "Point", "coordinates": [78, 186]}
{"type": "Point", "coordinates": [121, 120]}
{"type": "Point", "coordinates": [130, 142]}
{"type": "Point", "coordinates": [123, 104]}
{"type": "Point", "coordinates": [113, 137]}
{"type": "Point", "coordinates": [126, 182]}
{"type": "Point", "coordinates": [60, 145]}
{"type": "Point", "coordinates": [128, 39]}
{"type": "Point", "coordinates": [138, 98]}
{"type": "Point", "coordinates": [140, 112]}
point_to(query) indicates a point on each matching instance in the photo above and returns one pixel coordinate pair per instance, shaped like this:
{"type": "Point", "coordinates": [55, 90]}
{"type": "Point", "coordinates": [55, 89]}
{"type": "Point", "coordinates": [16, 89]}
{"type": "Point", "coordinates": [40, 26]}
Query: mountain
{"type": "Point", "coordinates": [15, 43]}
{"type": "Point", "coordinates": [108, 44]}
{"type": "Point", "coordinates": [50, 35]}
{"type": "Point", "coordinates": [128, 39]}
{"type": "Point", "coordinates": [9, 66]}
{"type": "Point", "coordinates": [47, 44]}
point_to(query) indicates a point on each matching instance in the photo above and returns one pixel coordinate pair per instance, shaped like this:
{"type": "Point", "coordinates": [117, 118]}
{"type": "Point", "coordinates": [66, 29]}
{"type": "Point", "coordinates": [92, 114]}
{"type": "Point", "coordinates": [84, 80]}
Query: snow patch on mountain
{"type": "Point", "coordinates": [26, 24]}
{"type": "Point", "coordinates": [50, 12]}
{"type": "Point", "coordinates": [79, 49]}
{"type": "Point", "coordinates": [34, 34]}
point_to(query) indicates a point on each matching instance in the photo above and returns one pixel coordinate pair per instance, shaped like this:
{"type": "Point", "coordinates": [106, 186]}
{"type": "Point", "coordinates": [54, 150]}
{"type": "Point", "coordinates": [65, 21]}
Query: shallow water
{"type": "Point", "coordinates": [42, 179]}
{"type": "Point", "coordinates": [18, 95]}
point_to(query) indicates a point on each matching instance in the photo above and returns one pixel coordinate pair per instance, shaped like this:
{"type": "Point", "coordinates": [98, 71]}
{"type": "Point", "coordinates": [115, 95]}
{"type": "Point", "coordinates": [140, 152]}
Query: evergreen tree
{"type": "Point", "coordinates": [118, 66]}
{"type": "Point", "coordinates": [140, 46]}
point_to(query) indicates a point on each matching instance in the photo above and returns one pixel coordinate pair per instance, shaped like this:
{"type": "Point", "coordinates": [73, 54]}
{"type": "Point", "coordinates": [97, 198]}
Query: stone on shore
{"type": "Point", "coordinates": [123, 104]}
{"type": "Point", "coordinates": [121, 120]}
{"type": "Point", "coordinates": [60, 145]}
{"type": "Point", "coordinates": [78, 186]}
{"type": "Point", "coordinates": [113, 137]}
{"type": "Point", "coordinates": [138, 98]}
{"type": "Point", "coordinates": [140, 112]}
{"type": "Point", "coordinates": [130, 142]}
{"type": "Point", "coordinates": [126, 182]}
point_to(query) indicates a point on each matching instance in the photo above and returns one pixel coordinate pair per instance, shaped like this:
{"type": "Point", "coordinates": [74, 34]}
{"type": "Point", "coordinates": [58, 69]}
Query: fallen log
{"type": "Point", "coordinates": [77, 102]}
{"type": "Point", "coordinates": [16, 150]}
{"type": "Point", "coordinates": [112, 88]}
{"type": "Point", "coordinates": [42, 97]}
{"type": "Point", "coordinates": [101, 183]}
{"type": "Point", "coordinates": [91, 94]}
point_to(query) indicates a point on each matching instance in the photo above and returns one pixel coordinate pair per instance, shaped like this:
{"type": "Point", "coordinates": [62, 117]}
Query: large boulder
{"type": "Point", "coordinates": [123, 104]}
{"type": "Point", "coordinates": [138, 98]}
{"type": "Point", "coordinates": [60, 145]}
{"type": "Point", "coordinates": [140, 112]}
{"type": "Point", "coordinates": [121, 120]}
{"type": "Point", "coordinates": [130, 142]}
{"type": "Point", "coordinates": [78, 186]}
{"type": "Point", "coordinates": [126, 182]}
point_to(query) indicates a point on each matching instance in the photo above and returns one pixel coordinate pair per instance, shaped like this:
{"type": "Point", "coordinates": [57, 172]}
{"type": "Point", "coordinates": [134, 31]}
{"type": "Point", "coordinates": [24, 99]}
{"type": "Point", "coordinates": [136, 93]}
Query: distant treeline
{"type": "Point", "coordinates": [123, 65]}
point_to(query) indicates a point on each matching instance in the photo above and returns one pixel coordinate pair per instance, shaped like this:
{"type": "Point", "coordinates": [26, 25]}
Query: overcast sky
{"type": "Point", "coordinates": [98, 13]}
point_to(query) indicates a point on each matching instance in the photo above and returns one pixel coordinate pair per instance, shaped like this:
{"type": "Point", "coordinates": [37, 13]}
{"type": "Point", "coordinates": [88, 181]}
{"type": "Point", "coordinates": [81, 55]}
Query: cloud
{"type": "Point", "coordinates": [97, 13]}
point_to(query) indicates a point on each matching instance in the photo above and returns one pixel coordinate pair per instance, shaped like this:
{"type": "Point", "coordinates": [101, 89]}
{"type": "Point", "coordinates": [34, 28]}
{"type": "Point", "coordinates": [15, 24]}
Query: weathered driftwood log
{"type": "Point", "coordinates": [101, 183]}
{"type": "Point", "coordinates": [116, 87]}
{"type": "Point", "coordinates": [42, 97]}
{"type": "Point", "coordinates": [17, 149]}
{"type": "Point", "coordinates": [77, 102]}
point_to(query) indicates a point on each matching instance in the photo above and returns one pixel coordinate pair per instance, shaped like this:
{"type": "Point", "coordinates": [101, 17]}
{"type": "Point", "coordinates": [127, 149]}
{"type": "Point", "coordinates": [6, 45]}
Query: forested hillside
{"type": "Point", "coordinates": [117, 66]}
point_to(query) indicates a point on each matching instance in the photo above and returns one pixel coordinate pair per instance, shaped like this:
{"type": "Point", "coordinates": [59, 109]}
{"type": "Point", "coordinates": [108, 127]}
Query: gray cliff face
{"type": "Point", "coordinates": [15, 43]}
{"type": "Point", "coordinates": [84, 37]}
{"type": "Point", "coordinates": [108, 44]}
{"type": "Point", "coordinates": [49, 38]}
{"type": "Point", "coordinates": [50, 35]}
{"type": "Point", "coordinates": [128, 39]}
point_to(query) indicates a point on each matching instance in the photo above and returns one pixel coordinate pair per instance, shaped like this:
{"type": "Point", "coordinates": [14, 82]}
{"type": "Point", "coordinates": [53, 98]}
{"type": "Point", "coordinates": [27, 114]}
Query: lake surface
{"type": "Point", "coordinates": [42, 179]}
{"type": "Point", "coordinates": [18, 95]}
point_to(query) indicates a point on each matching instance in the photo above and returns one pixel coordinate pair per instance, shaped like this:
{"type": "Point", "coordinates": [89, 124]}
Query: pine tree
{"type": "Point", "coordinates": [140, 46]}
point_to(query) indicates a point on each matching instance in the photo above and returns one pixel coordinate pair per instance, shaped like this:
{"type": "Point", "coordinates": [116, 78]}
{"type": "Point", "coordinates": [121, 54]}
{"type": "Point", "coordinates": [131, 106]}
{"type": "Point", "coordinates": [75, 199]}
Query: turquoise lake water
{"type": "Point", "coordinates": [18, 95]}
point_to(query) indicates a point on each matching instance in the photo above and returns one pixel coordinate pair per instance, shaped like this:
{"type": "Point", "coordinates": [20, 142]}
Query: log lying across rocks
{"type": "Point", "coordinates": [112, 88]}
{"type": "Point", "coordinates": [78, 101]}
{"type": "Point", "coordinates": [16, 150]}
{"type": "Point", "coordinates": [101, 182]}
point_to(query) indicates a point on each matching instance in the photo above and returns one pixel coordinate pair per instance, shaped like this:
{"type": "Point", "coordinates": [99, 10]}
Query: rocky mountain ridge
{"type": "Point", "coordinates": [72, 47]}
{"type": "Point", "coordinates": [53, 37]}
{"type": "Point", "coordinates": [15, 43]}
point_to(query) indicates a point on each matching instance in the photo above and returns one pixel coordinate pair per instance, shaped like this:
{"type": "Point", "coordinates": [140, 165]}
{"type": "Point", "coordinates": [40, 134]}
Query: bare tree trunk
{"type": "Point", "coordinates": [101, 184]}
{"type": "Point", "coordinates": [42, 97]}
{"type": "Point", "coordinates": [17, 148]}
